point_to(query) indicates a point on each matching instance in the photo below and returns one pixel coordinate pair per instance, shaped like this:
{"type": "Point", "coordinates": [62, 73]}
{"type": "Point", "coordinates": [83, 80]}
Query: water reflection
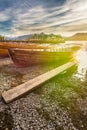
{"type": "Point", "coordinates": [81, 57]}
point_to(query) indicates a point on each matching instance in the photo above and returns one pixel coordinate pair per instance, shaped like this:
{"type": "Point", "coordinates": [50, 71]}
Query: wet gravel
{"type": "Point", "coordinates": [11, 76]}
{"type": "Point", "coordinates": [28, 113]}
{"type": "Point", "coordinates": [22, 113]}
{"type": "Point", "coordinates": [35, 112]}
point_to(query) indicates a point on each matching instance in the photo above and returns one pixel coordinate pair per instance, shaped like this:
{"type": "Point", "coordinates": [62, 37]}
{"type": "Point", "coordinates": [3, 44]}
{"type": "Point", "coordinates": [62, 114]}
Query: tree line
{"type": "Point", "coordinates": [2, 38]}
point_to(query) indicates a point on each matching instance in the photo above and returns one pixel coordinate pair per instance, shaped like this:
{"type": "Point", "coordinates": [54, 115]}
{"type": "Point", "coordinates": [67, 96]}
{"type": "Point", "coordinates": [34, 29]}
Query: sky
{"type": "Point", "coordinates": [21, 17]}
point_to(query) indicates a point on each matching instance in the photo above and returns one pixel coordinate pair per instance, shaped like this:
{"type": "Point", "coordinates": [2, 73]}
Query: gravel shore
{"type": "Point", "coordinates": [12, 76]}
{"type": "Point", "coordinates": [28, 113]}
{"type": "Point", "coordinates": [22, 113]}
{"type": "Point", "coordinates": [34, 111]}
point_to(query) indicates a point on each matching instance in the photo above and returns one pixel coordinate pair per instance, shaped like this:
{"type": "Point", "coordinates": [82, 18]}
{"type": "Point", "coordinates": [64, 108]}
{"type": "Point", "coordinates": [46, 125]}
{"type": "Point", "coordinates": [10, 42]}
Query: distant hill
{"type": "Point", "coordinates": [39, 38]}
{"type": "Point", "coordinates": [78, 37]}
{"type": "Point", "coordinates": [24, 37]}
{"type": "Point", "coordinates": [46, 38]}
{"type": "Point", "coordinates": [19, 38]}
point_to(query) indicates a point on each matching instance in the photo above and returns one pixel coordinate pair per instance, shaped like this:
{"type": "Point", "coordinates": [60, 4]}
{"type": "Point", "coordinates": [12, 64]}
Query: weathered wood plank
{"type": "Point", "coordinates": [20, 90]}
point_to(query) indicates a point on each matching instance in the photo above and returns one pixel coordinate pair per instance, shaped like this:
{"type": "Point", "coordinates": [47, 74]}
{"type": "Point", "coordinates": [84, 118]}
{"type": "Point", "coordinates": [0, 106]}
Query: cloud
{"type": "Point", "coordinates": [55, 16]}
{"type": "Point", "coordinates": [4, 16]}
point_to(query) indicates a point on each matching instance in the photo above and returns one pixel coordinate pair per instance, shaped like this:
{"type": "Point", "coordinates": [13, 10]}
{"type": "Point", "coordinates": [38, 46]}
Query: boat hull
{"type": "Point", "coordinates": [26, 57]}
{"type": "Point", "coordinates": [4, 53]}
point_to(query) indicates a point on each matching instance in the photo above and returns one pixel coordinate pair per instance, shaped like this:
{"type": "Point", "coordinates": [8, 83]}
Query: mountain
{"type": "Point", "coordinates": [23, 37]}
{"type": "Point", "coordinates": [19, 38]}
{"type": "Point", "coordinates": [39, 38]}
{"type": "Point", "coordinates": [46, 38]}
{"type": "Point", "coordinates": [78, 37]}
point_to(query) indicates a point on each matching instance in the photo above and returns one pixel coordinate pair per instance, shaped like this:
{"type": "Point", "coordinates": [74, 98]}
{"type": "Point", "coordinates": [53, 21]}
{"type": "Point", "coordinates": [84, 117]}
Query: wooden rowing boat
{"type": "Point", "coordinates": [27, 57]}
{"type": "Point", "coordinates": [24, 55]}
{"type": "Point", "coordinates": [4, 53]}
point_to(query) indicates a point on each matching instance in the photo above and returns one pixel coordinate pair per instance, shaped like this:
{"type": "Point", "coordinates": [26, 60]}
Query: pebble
{"type": "Point", "coordinates": [31, 113]}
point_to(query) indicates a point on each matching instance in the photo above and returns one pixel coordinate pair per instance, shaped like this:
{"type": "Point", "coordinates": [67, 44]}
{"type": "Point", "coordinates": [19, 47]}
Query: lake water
{"type": "Point", "coordinates": [81, 57]}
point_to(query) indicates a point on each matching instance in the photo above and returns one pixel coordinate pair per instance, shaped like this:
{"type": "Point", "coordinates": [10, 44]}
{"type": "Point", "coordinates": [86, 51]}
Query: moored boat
{"type": "Point", "coordinates": [4, 53]}
{"type": "Point", "coordinates": [27, 57]}
{"type": "Point", "coordinates": [30, 54]}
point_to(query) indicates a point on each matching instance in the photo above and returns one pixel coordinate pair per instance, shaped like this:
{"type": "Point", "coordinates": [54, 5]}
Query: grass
{"type": "Point", "coordinates": [63, 92]}
{"type": "Point", "coordinates": [61, 58]}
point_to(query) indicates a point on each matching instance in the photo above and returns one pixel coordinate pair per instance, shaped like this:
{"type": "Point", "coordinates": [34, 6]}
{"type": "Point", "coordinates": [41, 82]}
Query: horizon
{"type": "Point", "coordinates": [61, 17]}
{"type": "Point", "coordinates": [10, 36]}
